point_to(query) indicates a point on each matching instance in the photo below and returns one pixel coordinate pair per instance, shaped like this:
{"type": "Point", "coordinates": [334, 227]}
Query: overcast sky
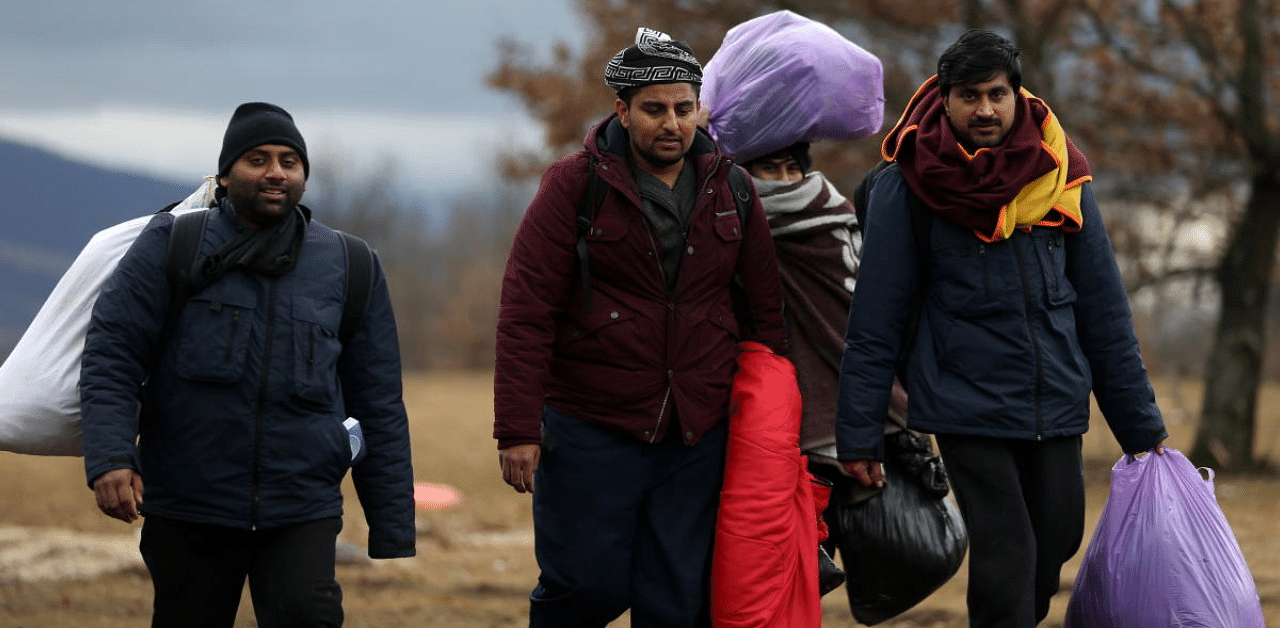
{"type": "Point", "coordinates": [148, 86]}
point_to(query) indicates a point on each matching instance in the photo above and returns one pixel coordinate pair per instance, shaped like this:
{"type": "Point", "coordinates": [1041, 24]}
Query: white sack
{"type": "Point", "coordinates": [39, 381]}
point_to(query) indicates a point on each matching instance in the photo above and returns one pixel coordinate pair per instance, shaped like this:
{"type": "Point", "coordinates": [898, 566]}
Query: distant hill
{"type": "Point", "coordinates": [49, 208]}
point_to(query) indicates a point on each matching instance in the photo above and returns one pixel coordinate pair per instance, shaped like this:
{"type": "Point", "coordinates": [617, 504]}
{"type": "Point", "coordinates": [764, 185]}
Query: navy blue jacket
{"type": "Point", "coordinates": [241, 421]}
{"type": "Point", "coordinates": [1012, 335]}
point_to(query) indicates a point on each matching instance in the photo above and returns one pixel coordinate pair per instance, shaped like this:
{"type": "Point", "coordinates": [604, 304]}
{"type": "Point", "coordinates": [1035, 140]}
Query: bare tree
{"type": "Point", "coordinates": [1208, 67]}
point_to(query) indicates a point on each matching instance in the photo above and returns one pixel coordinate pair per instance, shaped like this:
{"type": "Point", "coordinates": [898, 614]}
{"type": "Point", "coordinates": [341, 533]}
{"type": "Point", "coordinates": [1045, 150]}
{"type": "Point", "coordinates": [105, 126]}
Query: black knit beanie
{"type": "Point", "coordinates": [800, 151]}
{"type": "Point", "coordinates": [257, 123]}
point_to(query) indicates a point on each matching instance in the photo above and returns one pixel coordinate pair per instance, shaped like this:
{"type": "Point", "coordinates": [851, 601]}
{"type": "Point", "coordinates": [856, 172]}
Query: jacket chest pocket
{"type": "Point", "coordinates": [215, 329]}
{"type": "Point", "coordinates": [608, 246]}
{"type": "Point", "coordinates": [1052, 255]}
{"type": "Point", "coordinates": [316, 349]}
{"type": "Point", "coordinates": [967, 279]}
{"type": "Point", "coordinates": [729, 225]}
{"type": "Point", "coordinates": [608, 225]}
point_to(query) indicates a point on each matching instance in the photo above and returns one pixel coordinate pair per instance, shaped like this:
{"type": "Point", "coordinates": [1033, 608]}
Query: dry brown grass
{"type": "Point", "coordinates": [466, 576]}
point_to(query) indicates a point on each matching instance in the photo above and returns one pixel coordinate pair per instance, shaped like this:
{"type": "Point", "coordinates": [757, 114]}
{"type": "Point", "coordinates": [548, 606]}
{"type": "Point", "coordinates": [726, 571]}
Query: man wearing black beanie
{"type": "Point", "coordinates": [261, 135]}
{"type": "Point", "coordinates": [252, 364]}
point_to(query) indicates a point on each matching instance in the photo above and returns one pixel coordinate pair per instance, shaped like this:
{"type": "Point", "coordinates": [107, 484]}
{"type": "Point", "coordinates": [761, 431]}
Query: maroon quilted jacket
{"type": "Point", "coordinates": [639, 356]}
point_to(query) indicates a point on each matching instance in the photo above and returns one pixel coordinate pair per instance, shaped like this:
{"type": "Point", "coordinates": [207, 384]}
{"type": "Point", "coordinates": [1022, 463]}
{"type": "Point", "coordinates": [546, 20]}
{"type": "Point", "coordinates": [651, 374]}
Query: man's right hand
{"type": "Point", "coordinates": [866, 472]}
{"type": "Point", "coordinates": [518, 464]}
{"type": "Point", "coordinates": [119, 493]}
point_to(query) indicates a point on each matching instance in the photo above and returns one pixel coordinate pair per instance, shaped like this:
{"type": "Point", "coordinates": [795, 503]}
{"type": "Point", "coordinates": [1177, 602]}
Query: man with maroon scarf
{"type": "Point", "coordinates": [1022, 315]}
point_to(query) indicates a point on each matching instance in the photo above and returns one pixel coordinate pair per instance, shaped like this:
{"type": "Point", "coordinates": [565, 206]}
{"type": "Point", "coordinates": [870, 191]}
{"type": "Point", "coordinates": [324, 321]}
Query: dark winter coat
{"type": "Point", "coordinates": [640, 354]}
{"type": "Point", "coordinates": [1012, 338]}
{"type": "Point", "coordinates": [241, 421]}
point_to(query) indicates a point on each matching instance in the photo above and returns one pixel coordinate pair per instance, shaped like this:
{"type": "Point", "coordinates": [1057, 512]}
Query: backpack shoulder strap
{"type": "Point", "coordinates": [862, 194]}
{"type": "Point", "coordinates": [183, 250]}
{"type": "Point", "coordinates": [359, 285]}
{"type": "Point", "coordinates": [741, 193]}
{"type": "Point", "coordinates": [184, 245]}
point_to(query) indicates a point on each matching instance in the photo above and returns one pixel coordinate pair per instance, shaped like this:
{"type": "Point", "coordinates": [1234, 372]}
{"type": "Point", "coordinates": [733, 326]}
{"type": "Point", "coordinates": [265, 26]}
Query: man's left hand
{"type": "Point", "coordinates": [518, 465]}
{"type": "Point", "coordinates": [119, 493]}
{"type": "Point", "coordinates": [1159, 449]}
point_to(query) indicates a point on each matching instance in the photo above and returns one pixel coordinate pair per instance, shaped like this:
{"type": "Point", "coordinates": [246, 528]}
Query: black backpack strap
{"type": "Point", "coordinates": [741, 194]}
{"type": "Point", "coordinates": [862, 194]}
{"type": "Point", "coordinates": [741, 191]}
{"type": "Point", "coordinates": [184, 247]}
{"type": "Point", "coordinates": [587, 203]}
{"type": "Point", "coordinates": [359, 284]}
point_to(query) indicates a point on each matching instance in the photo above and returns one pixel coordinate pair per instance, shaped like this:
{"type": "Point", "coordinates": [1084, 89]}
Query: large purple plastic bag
{"type": "Point", "coordinates": [1163, 555]}
{"type": "Point", "coordinates": [782, 78]}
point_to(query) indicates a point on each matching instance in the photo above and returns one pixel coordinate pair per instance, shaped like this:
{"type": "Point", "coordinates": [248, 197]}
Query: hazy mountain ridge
{"type": "Point", "coordinates": [50, 206]}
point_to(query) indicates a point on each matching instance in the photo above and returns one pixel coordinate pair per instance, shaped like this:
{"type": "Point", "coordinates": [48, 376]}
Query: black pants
{"type": "Point", "coordinates": [1023, 503]}
{"type": "Point", "coordinates": [621, 524]}
{"type": "Point", "coordinates": [199, 570]}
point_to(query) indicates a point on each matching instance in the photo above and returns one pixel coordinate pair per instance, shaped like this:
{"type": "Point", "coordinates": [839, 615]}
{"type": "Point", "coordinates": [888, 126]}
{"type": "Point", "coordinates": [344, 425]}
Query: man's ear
{"type": "Point", "coordinates": [222, 180]}
{"type": "Point", "coordinates": [621, 109]}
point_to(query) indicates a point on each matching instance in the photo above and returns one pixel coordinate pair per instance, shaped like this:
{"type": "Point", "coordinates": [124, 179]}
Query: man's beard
{"type": "Point", "coordinates": [659, 161]}
{"type": "Point", "coordinates": [264, 214]}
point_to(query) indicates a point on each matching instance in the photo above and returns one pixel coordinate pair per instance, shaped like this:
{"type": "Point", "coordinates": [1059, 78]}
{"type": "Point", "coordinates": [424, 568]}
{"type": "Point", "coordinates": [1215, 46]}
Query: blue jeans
{"type": "Point", "coordinates": [623, 524]}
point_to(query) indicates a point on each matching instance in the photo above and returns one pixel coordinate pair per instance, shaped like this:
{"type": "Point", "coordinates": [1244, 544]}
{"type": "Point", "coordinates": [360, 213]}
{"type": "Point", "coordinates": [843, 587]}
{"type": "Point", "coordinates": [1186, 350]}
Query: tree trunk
{"type": "Point", "coordinates": [1224, 440]}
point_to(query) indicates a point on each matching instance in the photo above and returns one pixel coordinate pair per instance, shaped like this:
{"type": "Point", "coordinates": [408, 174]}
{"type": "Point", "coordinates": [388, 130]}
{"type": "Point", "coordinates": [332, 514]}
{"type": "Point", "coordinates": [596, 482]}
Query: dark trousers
{"type": "Point", "coordinates": [199, 570]}
{"type": "Point", "coordinates": [1023, 503]}
{"type": "Point", "coordinates": [622, 524]}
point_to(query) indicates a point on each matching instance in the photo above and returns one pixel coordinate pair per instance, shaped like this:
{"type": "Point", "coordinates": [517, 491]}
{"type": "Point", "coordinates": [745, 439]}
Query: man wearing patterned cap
{"type": "Point", "coordinates": [250, 368]}
{"type": "Point", "coordinates": [616, 348]}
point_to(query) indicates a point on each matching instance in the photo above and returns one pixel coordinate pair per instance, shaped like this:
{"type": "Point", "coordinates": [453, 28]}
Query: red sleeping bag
{"type": "Point", "coordinates": [764, 569]}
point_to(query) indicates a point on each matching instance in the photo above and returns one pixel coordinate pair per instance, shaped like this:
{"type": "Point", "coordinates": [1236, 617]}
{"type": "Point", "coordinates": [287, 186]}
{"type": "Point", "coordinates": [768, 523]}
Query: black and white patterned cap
{"type": "Point", "coordinates": [655, 58]}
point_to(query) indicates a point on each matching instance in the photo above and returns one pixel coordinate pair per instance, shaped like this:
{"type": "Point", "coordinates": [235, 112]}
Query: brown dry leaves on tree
{"type": "Point", "coordinates": [1173, 100]}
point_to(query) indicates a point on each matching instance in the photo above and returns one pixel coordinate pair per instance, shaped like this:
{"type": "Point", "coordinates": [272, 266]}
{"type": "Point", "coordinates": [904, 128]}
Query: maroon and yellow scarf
{"type": "Point", "coordinates": [1033, 178]}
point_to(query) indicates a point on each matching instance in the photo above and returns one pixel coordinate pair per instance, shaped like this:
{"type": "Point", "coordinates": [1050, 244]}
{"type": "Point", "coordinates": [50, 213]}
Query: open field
{"type": "Point", "coordinates": [64, 564]}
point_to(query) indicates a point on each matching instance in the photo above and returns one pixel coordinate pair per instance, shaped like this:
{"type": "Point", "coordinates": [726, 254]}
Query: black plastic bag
{"type": "Point", "coordinates": [899, 545]}
{"type": "Point", "coordinates": [830, 576]}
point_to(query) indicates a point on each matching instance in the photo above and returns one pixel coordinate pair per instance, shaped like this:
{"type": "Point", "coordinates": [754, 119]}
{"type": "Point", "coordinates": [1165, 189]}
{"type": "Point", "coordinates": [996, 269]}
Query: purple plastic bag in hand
{"type": "Point", "coordinates": [782, 78]}
{"type": "Point", "coordinates": [1163, 554]}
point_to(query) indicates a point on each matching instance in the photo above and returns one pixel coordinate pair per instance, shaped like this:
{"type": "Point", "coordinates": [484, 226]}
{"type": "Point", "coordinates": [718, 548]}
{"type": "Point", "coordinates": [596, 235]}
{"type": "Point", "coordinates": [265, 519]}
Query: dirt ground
{"type": "Point", "coordinates": [64, 564]}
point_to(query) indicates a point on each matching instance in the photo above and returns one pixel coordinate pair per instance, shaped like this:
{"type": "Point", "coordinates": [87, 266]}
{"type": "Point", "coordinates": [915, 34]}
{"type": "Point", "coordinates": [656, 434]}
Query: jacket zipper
{"type": "Point", "coordinates": [662, 276]}
{"type": "Point", "coordinates": [657, 254]}
{"type": "Point", "coordinates": [653, 246]}
{"type": "Point", "coordinates": [1035, 342]}
{"type": "Point", "coordinates": [259, 407]}
{"type": "Point", "coordinates": [1053, 270]}
{"type": "Point", "coordinates": [662, 413]}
